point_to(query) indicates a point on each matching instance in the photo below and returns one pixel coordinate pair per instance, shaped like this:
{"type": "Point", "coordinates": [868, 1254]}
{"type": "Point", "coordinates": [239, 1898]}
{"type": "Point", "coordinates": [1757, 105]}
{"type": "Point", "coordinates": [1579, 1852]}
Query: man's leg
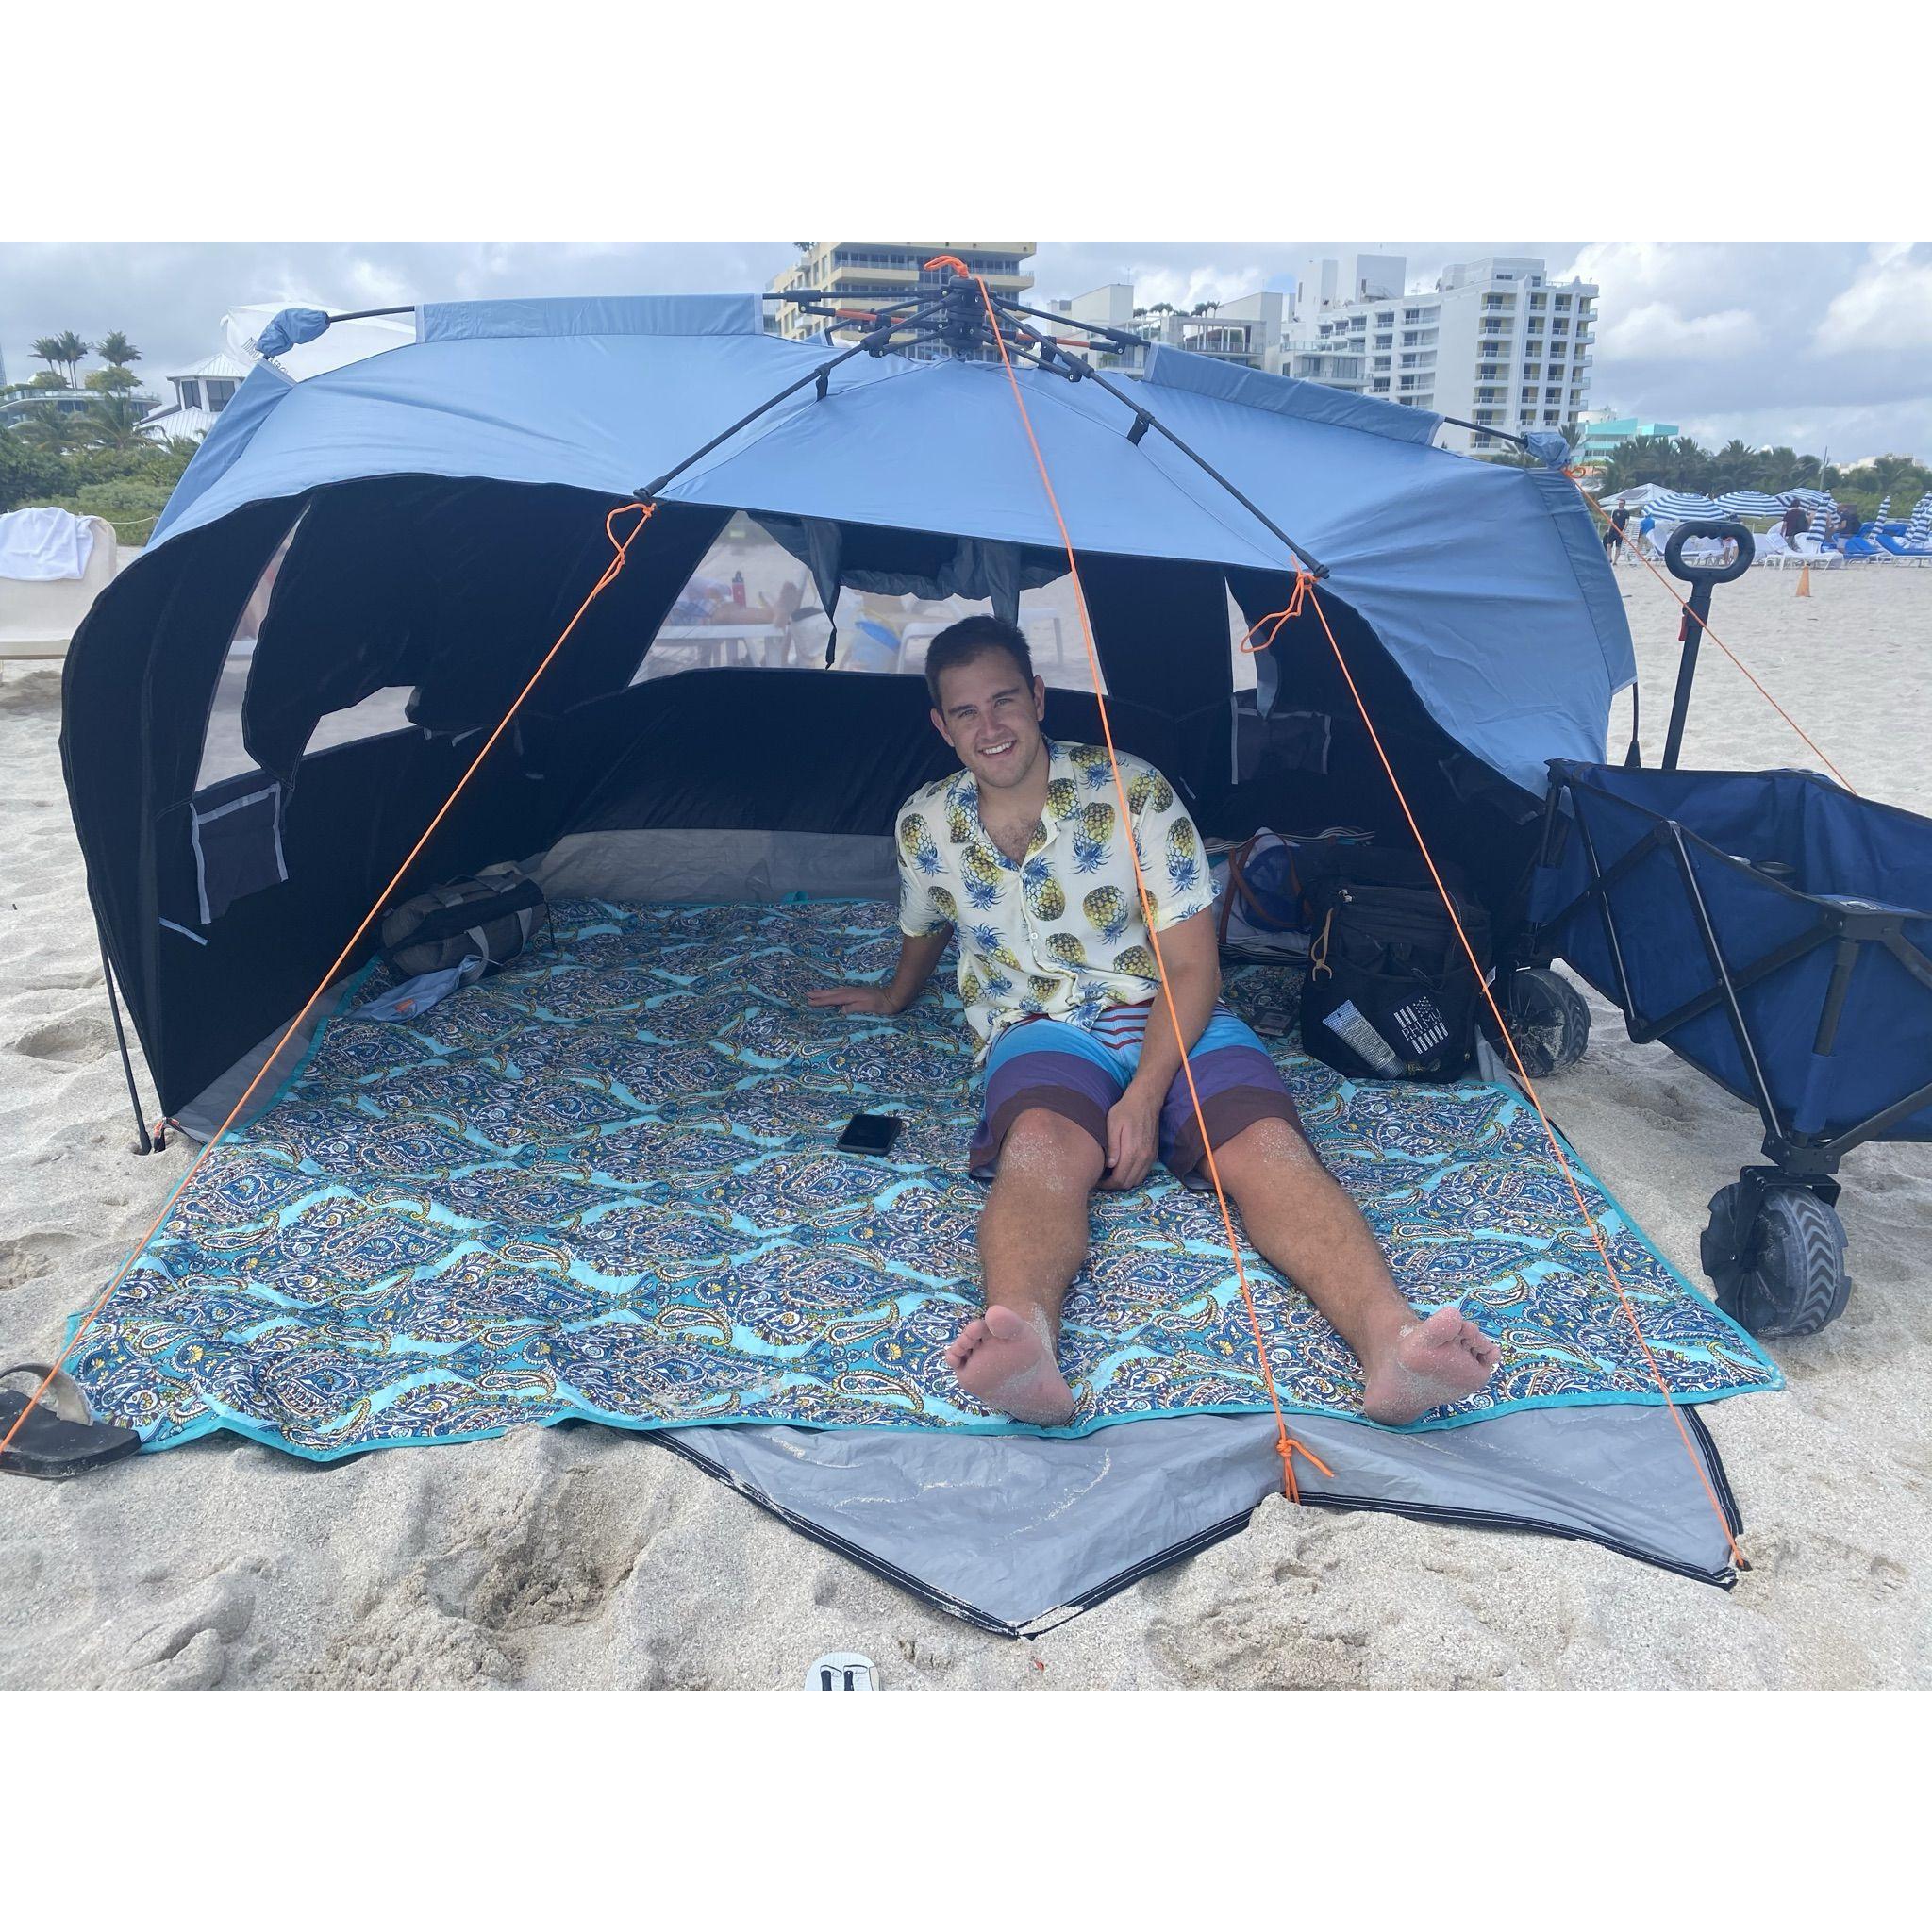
{"type": "Point", "coordinates": [1302, 1219]}
{"type": "Point", "coordinates": [1032, 1241]}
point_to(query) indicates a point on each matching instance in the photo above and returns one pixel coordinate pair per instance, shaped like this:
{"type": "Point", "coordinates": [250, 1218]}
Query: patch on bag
{"type": "Point", "coordinates": [1420, 1025]}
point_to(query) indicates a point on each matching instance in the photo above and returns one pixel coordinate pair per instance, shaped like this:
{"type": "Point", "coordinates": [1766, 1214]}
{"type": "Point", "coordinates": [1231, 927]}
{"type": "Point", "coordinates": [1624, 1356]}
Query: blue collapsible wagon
{"type": "Point", "coordinates": [1775, 931]}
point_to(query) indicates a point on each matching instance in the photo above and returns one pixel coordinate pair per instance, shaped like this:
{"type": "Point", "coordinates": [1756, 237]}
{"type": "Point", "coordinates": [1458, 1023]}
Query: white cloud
{"type": "Point", "coordinates": [1663, 332]}
{"type": "Point", "coordinates": [1889, 306]}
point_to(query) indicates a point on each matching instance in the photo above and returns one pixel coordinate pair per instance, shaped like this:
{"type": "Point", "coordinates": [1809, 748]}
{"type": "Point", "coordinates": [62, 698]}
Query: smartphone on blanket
{"type": "Point", "coordinates": [871, 1133]}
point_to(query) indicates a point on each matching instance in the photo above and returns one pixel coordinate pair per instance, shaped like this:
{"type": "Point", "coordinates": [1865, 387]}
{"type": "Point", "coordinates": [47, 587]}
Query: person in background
{"type": "Point", "coordinates": [1613, 533]}
{"type": "Point", "coordinates": [1796, 521]}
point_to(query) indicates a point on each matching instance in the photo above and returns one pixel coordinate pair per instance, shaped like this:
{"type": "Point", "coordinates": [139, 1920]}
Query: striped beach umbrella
{"type": "Point", "coordinates": [1680, 507]}
{"type": "Point", "coordinates": [1919, 525]}
{"type": "Point", "coordinates": [1884, 516]}
{"type": "Point", "coordinates": [1749, 506]}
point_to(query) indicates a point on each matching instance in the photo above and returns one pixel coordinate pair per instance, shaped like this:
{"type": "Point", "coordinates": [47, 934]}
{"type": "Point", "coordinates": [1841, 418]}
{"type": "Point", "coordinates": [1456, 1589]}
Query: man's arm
{"type": "Point", "coordinates": [1191, 956]}
{"type": "Point", "coordinates": [918, 955]}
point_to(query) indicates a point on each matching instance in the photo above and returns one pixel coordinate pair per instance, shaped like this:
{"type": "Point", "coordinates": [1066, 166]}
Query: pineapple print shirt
{"type": "Point", "coordinates": [1061, 933]}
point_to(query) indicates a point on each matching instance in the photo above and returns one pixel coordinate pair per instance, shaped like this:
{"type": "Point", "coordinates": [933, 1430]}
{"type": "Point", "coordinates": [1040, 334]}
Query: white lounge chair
{"type": "Point", "coordinates": [1810, 550]}
{"type": "Point", "coordinates": [37, 615]}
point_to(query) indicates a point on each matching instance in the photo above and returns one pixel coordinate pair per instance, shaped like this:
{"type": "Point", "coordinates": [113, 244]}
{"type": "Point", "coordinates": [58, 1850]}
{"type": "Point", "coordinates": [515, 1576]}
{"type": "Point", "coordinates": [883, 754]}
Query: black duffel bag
{"type": "Point", "coordinates": [1390, 994]}
{"type": "Point", "coordinates": [488, 917]}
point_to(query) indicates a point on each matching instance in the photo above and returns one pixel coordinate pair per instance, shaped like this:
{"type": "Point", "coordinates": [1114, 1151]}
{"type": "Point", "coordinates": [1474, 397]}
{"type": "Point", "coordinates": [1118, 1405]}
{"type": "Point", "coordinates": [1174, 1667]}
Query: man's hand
{"type": "Point", "coordinates": [855, 999]}
{"type": "Point", "coordinates": [1133, 1133]}
{"type": "Point", "coordinates": [918, 955]}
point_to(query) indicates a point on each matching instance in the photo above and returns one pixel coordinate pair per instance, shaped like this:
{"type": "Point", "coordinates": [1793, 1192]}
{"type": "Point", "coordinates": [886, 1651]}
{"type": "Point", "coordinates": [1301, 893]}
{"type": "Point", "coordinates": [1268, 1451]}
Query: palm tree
{"type": "Point", "coordinates": [74, 352]}
{"type": "Point", "coordinates": [1691, 465]}
{"type": "Point", "coordinates": [1731, 468]}
{"type": "Point", "coordinates": [113, 423]}
{"type": "Point", "coordinates": [1893, 475]}
{"type": "Point", "coordinates": [45, 427]}
{"type": "Point", "coordinates": [47, 349]}
{"type": "Point", "coordinates": [117, 351]}
{"type": "Point", "coordinates": [1643, 459]}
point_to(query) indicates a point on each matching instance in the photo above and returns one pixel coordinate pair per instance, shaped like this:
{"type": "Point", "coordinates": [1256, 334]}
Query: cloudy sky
{"type": "Point", "coordinates": [1815, 345]}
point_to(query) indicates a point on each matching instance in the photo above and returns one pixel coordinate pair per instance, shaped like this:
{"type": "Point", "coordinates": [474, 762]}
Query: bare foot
{"type": "Point", "coordinates": [1004, 1361]}
{"type": "Point", "coordinates": [1438, 1361]}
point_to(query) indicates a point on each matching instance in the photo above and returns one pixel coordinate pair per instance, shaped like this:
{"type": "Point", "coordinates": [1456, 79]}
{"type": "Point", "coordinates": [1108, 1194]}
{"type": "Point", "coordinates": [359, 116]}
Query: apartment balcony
{"type": "Point", "coordinates": [1331, 370]}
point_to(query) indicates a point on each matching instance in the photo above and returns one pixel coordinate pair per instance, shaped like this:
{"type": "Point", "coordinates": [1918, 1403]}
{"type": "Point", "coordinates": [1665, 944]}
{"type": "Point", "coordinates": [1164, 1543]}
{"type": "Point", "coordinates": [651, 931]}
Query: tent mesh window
{"type": "Point", "coordinates": [752, 603]}
{"type": "Point", "coordinates": [223, 753]}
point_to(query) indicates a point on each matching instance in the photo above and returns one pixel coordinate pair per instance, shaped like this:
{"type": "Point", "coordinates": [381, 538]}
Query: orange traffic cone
{"type": "Point", "coordinates": [1804, 580]}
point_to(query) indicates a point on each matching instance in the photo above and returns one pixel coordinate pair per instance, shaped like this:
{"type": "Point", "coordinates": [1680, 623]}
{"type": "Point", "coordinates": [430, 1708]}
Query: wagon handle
{"type": "Point", "coordinates": [1697, 609]}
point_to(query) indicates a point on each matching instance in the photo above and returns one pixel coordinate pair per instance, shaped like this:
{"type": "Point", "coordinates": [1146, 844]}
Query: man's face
{"type": "Point", "coordinates": [989, 715]}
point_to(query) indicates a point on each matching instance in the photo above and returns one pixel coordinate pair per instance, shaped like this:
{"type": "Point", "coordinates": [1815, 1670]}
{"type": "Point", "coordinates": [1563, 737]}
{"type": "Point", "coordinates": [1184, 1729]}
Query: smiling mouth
{"type": "Point", "coordinates": [997, 751]}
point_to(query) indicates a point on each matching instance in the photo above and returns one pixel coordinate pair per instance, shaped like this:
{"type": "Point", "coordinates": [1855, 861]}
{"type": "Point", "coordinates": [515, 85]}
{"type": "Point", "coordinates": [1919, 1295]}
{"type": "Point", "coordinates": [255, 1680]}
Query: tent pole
{"type": "Point", "coordinates": [1144, 420]}
{"type": "Point", "coordinates": [147, 1144]}
{"type": "Point", "coordinates": [875, 341]}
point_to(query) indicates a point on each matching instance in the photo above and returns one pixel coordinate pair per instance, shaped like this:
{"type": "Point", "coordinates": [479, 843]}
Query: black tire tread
{"type": "Point", "coordinates": [1548, 1019]}
{"type": "Point", "coordinates": [1784, 1274]}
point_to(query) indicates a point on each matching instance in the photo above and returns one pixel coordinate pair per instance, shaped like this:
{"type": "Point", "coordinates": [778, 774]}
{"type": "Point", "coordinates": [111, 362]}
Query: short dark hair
{"type": "Point", "coordinates": [972, 638]}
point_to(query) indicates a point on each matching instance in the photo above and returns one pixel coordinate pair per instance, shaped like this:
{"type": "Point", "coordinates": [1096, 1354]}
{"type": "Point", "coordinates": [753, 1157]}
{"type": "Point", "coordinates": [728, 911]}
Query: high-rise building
{"type": "Point", "coordinates": [871, 274]}
{"type": "Point", "coordinates": [1248, 330]}
{"type": "Point", "coordinates": [1495, 342]}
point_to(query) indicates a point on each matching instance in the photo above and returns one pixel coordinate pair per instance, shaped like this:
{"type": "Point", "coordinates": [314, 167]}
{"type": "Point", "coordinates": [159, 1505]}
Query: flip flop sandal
{"type": "Point", "coordinates": [60, 1437]}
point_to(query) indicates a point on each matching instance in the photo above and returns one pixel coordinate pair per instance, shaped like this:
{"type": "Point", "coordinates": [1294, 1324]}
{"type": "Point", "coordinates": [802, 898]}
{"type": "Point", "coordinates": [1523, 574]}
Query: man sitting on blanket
{"type": "Point", "coordinates": [1020, 854]}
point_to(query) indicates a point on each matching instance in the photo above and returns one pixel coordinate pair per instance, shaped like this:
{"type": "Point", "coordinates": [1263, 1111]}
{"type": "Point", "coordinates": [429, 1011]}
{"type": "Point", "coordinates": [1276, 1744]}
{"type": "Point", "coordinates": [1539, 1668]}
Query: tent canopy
{"type": "Point", "coordinates": [1477, 578]}
{"type": "Point", "coordinates": [424, 522]}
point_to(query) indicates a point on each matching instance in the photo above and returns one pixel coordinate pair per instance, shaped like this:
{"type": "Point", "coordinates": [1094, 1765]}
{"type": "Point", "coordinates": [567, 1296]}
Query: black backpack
{"type": "Point", "coordinates": [489, 917]}
{"type": "Point", "coordinates": [1390, 994]}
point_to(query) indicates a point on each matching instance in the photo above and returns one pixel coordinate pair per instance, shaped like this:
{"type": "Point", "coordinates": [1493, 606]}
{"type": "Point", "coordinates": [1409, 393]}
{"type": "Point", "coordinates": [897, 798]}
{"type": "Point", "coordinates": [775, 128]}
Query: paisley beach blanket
{"type": "Point", "coordinates": [604, 1184]}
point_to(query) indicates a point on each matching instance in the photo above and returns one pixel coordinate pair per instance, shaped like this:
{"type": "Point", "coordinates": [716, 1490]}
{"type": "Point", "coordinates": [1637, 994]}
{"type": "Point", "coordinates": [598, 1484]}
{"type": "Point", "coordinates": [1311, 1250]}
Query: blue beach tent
{"type": "Point", "coordinates": [451, 497]}
{"type": "Point", "coordinates": [421, 524]}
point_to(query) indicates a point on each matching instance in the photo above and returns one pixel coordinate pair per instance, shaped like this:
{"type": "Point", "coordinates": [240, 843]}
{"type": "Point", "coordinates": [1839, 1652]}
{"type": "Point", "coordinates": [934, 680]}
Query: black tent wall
{"type": "Point", "coordinates": [456, 589]}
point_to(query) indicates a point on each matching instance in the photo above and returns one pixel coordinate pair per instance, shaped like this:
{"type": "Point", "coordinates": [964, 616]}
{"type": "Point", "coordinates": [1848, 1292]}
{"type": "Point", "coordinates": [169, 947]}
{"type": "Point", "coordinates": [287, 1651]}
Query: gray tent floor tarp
{"type": "Point", "coordinates": [1018, 1534]}
{"type": "Point", "coordinates": [1015, 1533]}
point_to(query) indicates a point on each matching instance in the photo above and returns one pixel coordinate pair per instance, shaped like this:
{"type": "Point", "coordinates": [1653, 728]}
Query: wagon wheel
{"type": "Point", "coordinates": [1782, 1272]}
{"type": "Point", "coordinates": [1549, 1021]}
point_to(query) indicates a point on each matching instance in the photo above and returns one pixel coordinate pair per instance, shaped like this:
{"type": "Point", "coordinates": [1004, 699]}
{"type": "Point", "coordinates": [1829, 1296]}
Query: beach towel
{"type": "Point", "coordinates": [44, 546]}
{"type": "Point", "coordinates": [603, 1184]}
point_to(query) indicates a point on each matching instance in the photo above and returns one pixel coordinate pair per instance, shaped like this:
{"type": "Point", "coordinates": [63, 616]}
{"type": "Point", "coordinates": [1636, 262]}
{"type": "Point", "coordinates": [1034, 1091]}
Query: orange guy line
{"type": "Point", "coordinates": [1286, 1446]}
{"type": "Point", "coordinates": [645, 511]}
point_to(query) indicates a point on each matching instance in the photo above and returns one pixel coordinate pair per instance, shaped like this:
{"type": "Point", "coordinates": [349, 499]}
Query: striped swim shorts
{"type": "Point", "coordinates": [1079, 1075]}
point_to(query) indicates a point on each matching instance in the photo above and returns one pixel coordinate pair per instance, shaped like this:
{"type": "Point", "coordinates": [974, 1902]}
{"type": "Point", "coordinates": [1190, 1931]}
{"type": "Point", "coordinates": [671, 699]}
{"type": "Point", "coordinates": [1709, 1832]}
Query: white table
{"type": "Point", "coordinates": [716, 637]}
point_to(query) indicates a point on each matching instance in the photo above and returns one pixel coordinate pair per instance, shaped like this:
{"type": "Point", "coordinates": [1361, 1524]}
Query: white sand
{"type": "Point", "coordinates": [586, 1558]}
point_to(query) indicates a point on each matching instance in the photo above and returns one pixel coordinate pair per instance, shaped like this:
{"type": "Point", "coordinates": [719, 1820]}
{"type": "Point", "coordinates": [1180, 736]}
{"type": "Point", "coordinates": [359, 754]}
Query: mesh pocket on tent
{"type": "Point", "coordinates": [236, 828]}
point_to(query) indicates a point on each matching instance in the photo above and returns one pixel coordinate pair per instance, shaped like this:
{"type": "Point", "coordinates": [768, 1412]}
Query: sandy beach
{"type": "Point", "coordinates": [582, 1557]}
